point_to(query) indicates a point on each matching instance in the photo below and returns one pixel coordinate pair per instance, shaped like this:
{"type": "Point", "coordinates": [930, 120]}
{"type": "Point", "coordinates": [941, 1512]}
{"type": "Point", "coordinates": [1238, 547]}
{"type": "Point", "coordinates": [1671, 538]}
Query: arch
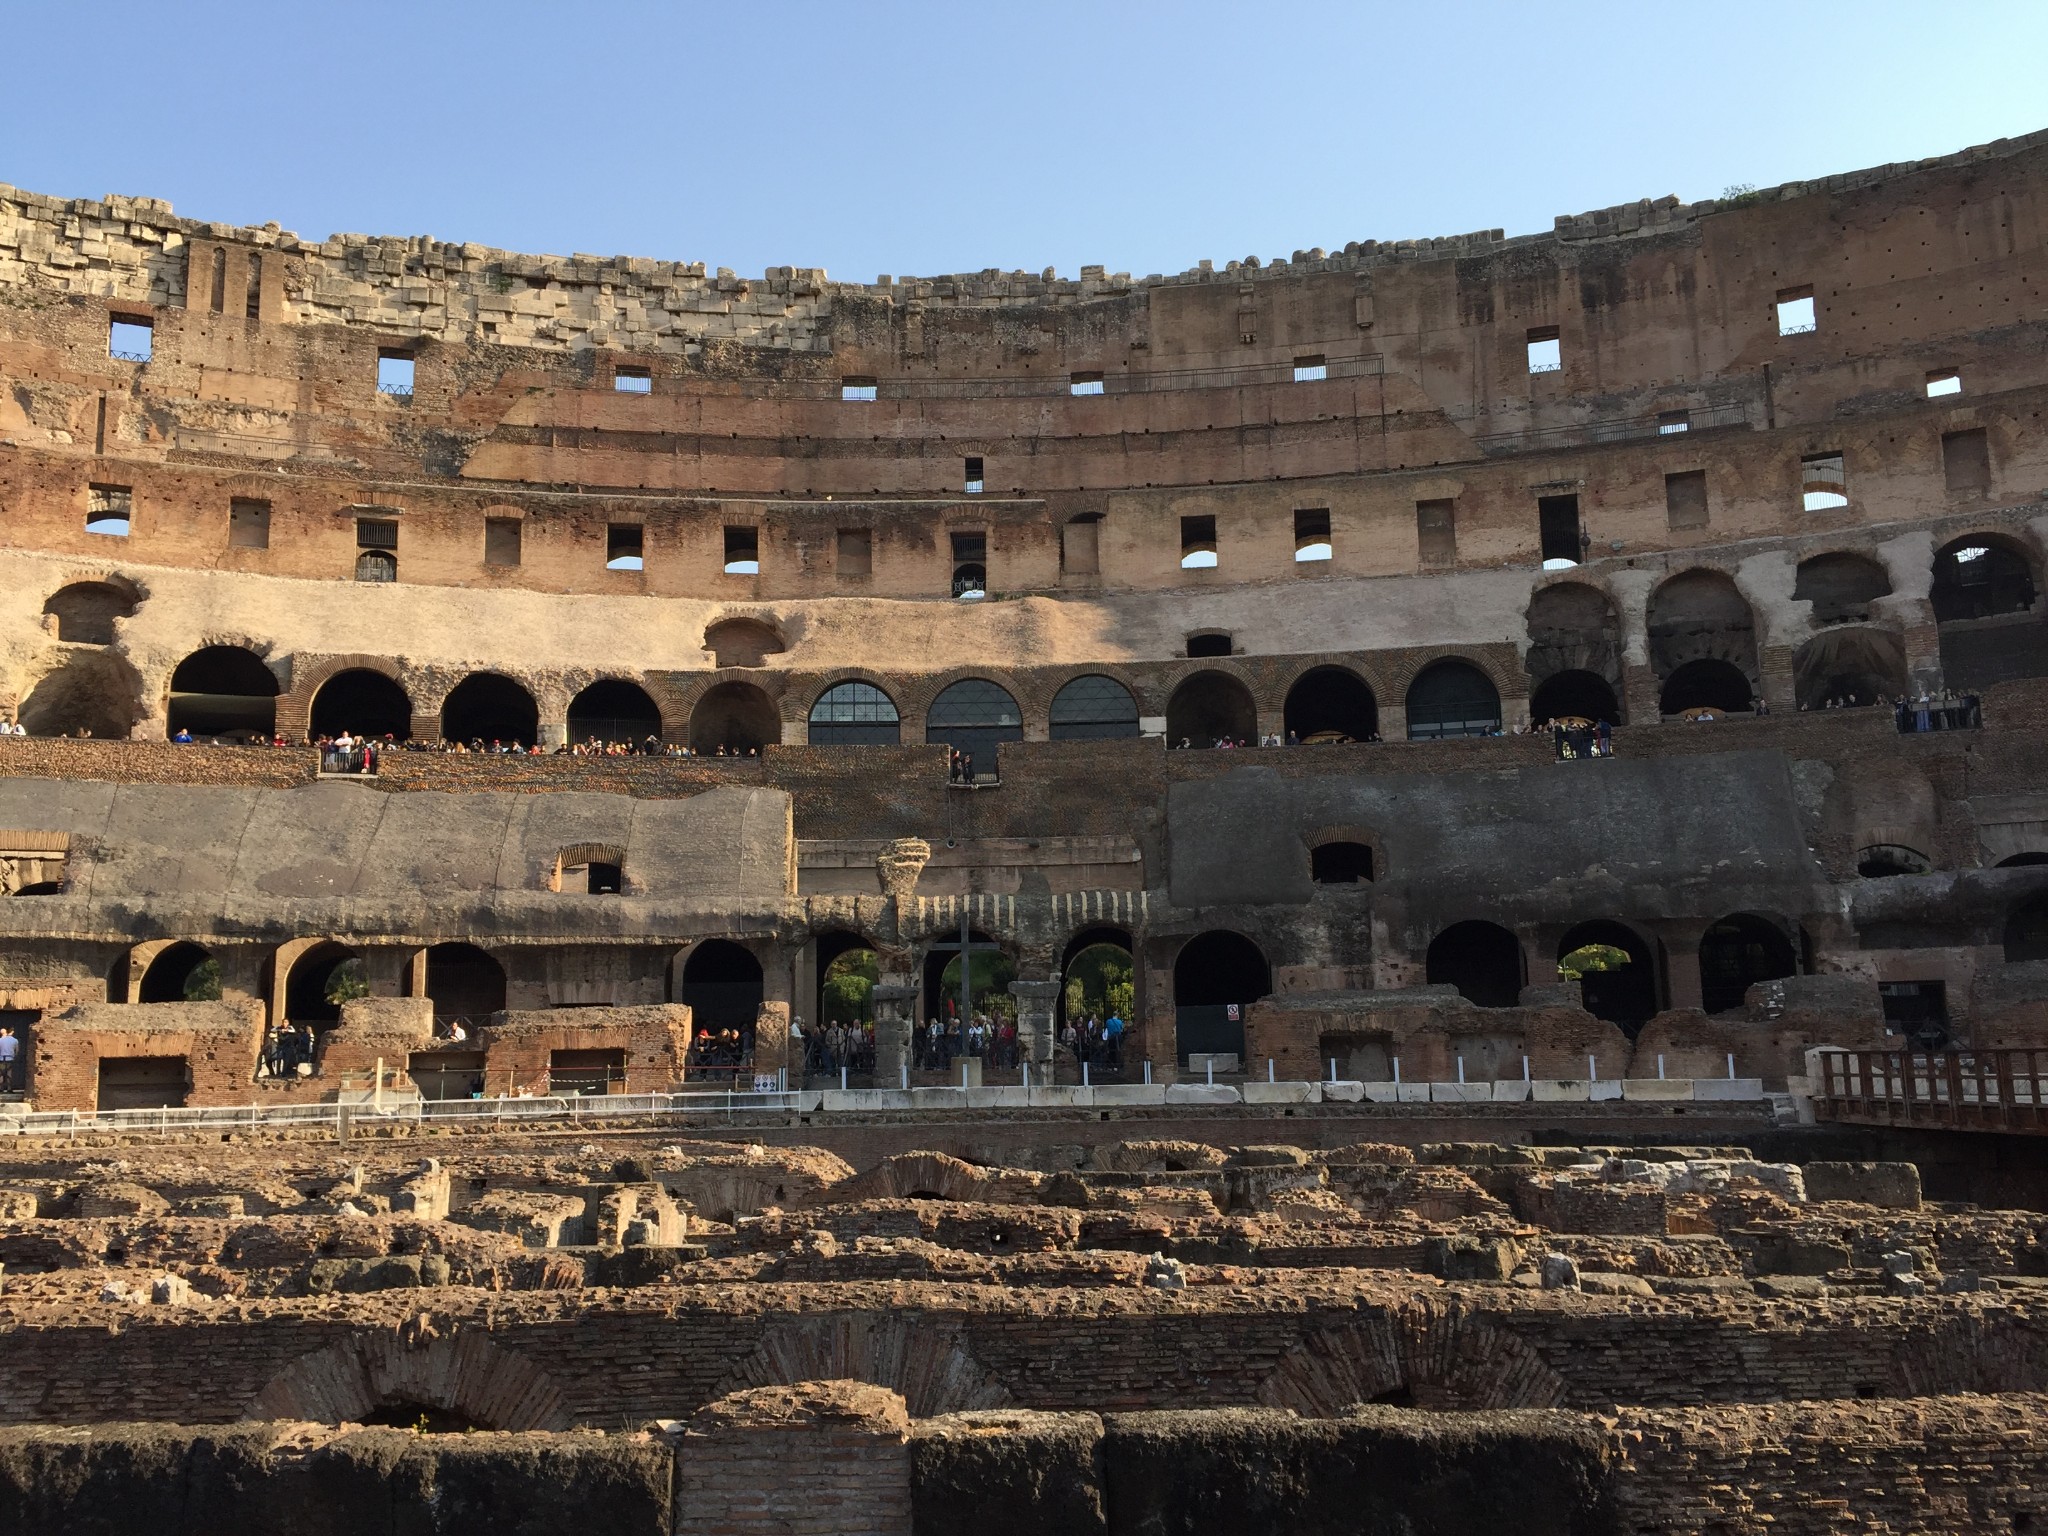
{"type": "Point", "coordinates": [1708, 683]}
{"type": "Point", "coordinates": [490, 707]}
{"type": "Point", "coordinates": [974, 716]}
{"type": "Point", "coordinates": [223, 690]}
{"type": "Point", "coordinates": [1860, 665]}
{"type": "Point", "coordinates": [1452, 698]}
{"type": "Point", "coordinates": [1699, 615]}
{"type": "Point", "coordinates": [612, 709]}
{"type": "Point", "coordinates": [933, 1369]}
{"type": "Point", "coordinates": [2021, 860]}
{"type": "Point", "coordinates": [2026, 930]}
{"type": "Point", "coordinates": [1106, 984]}
{"type": "Point", "coordinates": [1981, 576]}
{"type": "Point", "coordinates": [721, 986]}
{"type": "Point", "coordinates": [93, 693]}
{"type": "Point", "coordinates": [1628, 995]}
{"type": "Point", "coordinates": [596, 869]}
{"type": "Point", "coordinates": [1573, 628]}
{"type": "Point", "coordinates": [1481, 959]}
{"type": "Point", "coordinates": [992, 971]}
{"type": "Point", "coordinates": [180, 973]}
{"type": "Point", "coordinates": [855, 714]}
{"type": "Point", "coordinates": [1878, 861]}
{"type": "Point", "coordinates": [1217, 975]}
{"type": "Point", "coordinates": [85, 610]}
{"type": "Point", "coordinates": [459, 1372]}
{"type": "Point", "coordinates": [363, 703]}
{"type": "Point", "coordinates": [1739, 951]}
{"type": "Point", "coordinates": [1355, 854]}
{"type": "Point", "coordinates": [1423, 1353]}
{"type": "Point", "coordinates": [738, 717]}
{"type": "Point", "coordinates": [1091, 708]}
{"type": "Point", "coordinates": [315, 982]}
{"type": "Point", "coordinates": [377, 565]}
{"type": "Point", "coordinates": [847, 1002]}
{"type": "Point", "coordinates": [464, 982]}
{"type": "Point", "coordinates": [1331, 703]}
{"type": "Point", "coordinates": [1574, 693]}
{"type": "Point", "coordinates": [1209, 707]}
{"type": "Point", "coordinates": [743, 642]}
{"type": "Point", "coordinates": [1841, 586]}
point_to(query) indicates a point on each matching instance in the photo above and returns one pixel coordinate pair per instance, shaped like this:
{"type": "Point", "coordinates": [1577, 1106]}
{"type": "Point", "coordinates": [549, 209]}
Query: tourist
{"type": "Point", "coordinates": [1113, 1038]}
{"type": "Point", "coordinates": [182, 737]}
{"type": "Point", "coordinates": [271, 1062]}
{"type": "Point", "coordinates": [10, 1052]}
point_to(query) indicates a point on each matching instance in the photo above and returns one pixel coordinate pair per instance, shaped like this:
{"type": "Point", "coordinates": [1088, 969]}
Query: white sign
{"type": "Point", "coordinates": [765, 1082]}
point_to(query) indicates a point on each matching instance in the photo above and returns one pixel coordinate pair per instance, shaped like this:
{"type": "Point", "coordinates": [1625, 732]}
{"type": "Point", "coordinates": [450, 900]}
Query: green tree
{"type": "Point", "coordinates": [203, 985]}
{"type": "Point", "coordinates": [1588, 958]}
{"type": "Point", "coordinates": [347, 982]}
{"type": "Point", "coordinates": [850, 982]}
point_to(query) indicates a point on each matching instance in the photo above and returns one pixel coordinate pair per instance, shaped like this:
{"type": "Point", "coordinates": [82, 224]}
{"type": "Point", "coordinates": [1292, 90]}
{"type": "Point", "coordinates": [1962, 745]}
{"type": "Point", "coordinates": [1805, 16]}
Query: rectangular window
{"type": "Point", "coordinates": [1966, 460]}
{"type": "Point", "coordinates": [130, 339]}
{"type": "Point", "coordinates": [1312, 535]}
{"type": "Point", "coordinates": [974, 476]}
{"type": "Point", "coordinates": [394, 372]}
{"type": "Point", "coordinates": [109, 509]}
{"type": "Point", "coordinates": [970, 545]}
{"type": "Point", "coordinates": [1081, 545]}
{"type": "Point", "coordinates": [1911, 1007]}
{"type": "Point", "coordinates": [1945, 381]}
{"type": "Point", "coordinates": [624, 547]}
{"type": "Point", "coordinates": [1685, 499]}
{"type": "Point", "coordinates": [1557, 521]}
{"type": "Point", "coordinates": [632, 381]}
{"type": "Point", "coordinates": [856, 552]}
{"type": "Point", "coordinates": [502, 536]}
{"type": "Point", "coordinates": [1436, 531]}
{"type": "Point", "coordinates": [1669, 422]}
{"type": "Point", "coordinates": [376, 533]}
{"type": "Point", "coordinates": [1198, 543]}
{"type": "Point", "coordinates": [1085, 384]}
{"type": "Point", "coordinates": [742, 551]}
{"type": "Point", "coordinates": [1546, 350]}
{"type": "Point", "coordinates": [970, 563]}
{"type": "Point", "coordinates": [1823, 482]}
{"type": "Point", "coordinates": [1795, 312]}
{"type": "Point", "coordinates": [1308, 369]}
{"type": "Point", "coordinates": [248, 523]}
{"type": "Point", "coordinates": [856, 389]}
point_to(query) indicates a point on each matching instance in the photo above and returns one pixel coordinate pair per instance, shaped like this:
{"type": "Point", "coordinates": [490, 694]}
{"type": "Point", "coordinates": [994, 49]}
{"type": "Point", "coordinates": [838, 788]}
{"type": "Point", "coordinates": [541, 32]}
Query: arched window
{"type": "Point", "coordinates": [376, 565]}
{"type": "Point", "coordinates": [363, 703]}
{"type": "Point", "coordinates": [855, 714]}
{"type": "Point", "coordinates": [1331, 704]}
{"type": "Point", "coordinates": [1452, 698]}
{"type": "Point", "coordinates": [1616, 969]}
{"type": "Point", "coordinates": [1208, 709]}
{"type": "Point", "coordinates": [492, 709]}
{"type": "Point", "coordinates": [611, 709]}
{"type": "Point", "coordinates": [736, 716]}
{"type": "Point", "coordinates": [1092, 707]}
{"type": "Point", "coordinates": [181, 973]}
{"type": "Point", "coordinates": [464, 983]}
{"type": "Point", "coordinates": [722, 986]}
{"type": "Point", "coordinates": [1737, 952]}
{"type": "Point", "coordinates": [1482, 960]}
{"type": "Point", "coordinates": [223, 690]}
{"type": "Point", "coordinates": [320, 981]}
{"type": "Point", "coordinates": [974, 716]}
{"type": "Point", "coordinates": [1980, 577]}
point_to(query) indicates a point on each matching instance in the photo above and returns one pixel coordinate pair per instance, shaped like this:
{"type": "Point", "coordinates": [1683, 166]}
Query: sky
{"type": "Point", "coordinates": [920, 138]}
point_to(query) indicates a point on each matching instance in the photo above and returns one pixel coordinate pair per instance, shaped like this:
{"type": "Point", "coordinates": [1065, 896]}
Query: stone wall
{"type": "Point", "coordinates": [217, 1042]}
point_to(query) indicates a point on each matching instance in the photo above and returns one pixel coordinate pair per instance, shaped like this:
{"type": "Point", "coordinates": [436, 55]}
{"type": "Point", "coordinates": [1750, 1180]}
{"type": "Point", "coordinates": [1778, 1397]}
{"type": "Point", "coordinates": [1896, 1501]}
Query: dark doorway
{"type": "Point", "coordinates": [1217, 976]}
{"type": "Point", "coordinates": [1340, 863]}
{"type": "Point", "coordinates": [1210, 707]}
{"type": "Point", "coordinates": [587, 1072]}
{"type": "Point", "coordinates": [1979, 578]}
{"type": "Point", "coordinates": [85, 611]}
{"type": "Point", "coordinates": [363, 703]}
{"type": "Point", "coordinates": [737, 718]}
{"type": "Point", "coordinates": [1738, 952]}
{"type": "Point", "coordinates": [1452, 698]}
{"type": "Point", "coordinates": [1564, 695]}
{"type": "Point", "coordinates": [613, 710]}
{"type": "Point", "coordinates": [183, 973]}
{"type": "Point", "coordinates": [1331, 704]}
{"type": "Point", "coordinates": [2026, 931]}
{"type": "Point", "coordinates": [1707, 684]}
{"type": "Point", "coordinates": [1617, 972]}
{"type": "Point", "coordinates": [223, 690]}
{"type": "Point", "coordinates": [1482, 960]}
{"type": "Point", "coordinates": [491, 709]}
{"type": "Point", "coordinates": [143, 1082]}
{"type": "Point", "coordinates": [722, 986]}
{"type": "Point", "coordinates": [464, 983]}
{"type": "Point", "coordinates": [320, 981]}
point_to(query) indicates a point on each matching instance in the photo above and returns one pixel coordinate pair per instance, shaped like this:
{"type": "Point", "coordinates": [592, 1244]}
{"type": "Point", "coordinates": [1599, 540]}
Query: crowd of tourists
{"type": "Point", "coordinates": [837, 1047]}
{"type": "Point", "coordinates": [726, 1049]}
{"type": "Point", "coordinates": [287, 1051]}
{"type": "Point", "coordinates": [941, 1041]}
{"type": "Point", "coordinates": [1943, 711]}
{"type": "Point", "coordinates": [1576, 738]}
{"type": "Point", "coordinates": [1095, 1043]}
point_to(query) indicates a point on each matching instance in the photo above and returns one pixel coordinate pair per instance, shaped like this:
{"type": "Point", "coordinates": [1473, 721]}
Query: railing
{"type": "Point", "coordinates": [1998, 1090]}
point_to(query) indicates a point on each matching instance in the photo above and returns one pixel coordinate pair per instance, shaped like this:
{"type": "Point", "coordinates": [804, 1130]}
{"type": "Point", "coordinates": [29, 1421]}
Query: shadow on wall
{"type": "Point", "coordinates": [94, 693]}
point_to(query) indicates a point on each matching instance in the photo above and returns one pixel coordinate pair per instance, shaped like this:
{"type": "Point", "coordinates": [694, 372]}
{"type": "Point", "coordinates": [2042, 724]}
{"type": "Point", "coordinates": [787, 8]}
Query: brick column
{"type": "Point", "coordinates": [822, 1458]}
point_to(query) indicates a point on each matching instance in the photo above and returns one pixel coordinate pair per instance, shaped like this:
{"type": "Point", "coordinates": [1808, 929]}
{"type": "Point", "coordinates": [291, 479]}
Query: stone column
{"type": "Point", "coordinates": [895, 1018]}
{"type": "Point", "coordinates": [1035, 1000]}
{"type": "Point", "coordinates": [771, 1040]}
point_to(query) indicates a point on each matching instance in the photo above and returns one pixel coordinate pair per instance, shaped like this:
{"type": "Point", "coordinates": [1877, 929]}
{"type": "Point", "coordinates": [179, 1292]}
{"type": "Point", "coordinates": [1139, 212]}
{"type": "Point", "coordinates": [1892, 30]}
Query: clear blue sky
{"type": "Point", "coordinates": [921, 138]}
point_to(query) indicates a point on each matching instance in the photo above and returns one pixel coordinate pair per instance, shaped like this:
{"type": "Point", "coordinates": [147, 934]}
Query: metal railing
{"type": "Point", "coordinates": [1996, 1090]}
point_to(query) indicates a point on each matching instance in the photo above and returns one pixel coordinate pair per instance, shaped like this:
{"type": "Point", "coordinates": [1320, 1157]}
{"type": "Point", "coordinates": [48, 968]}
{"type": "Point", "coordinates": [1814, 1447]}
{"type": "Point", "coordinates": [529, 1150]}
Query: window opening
{"type": "Point", "coordinates": [1210, 643]}
{"type": "Point", "coordinates": [1091, 708]}
{"type": "Point", "coordinates": [1312, 535]}
{"type": "Point", "coordinates": [974, 477]}
{"type": "Point", "coordinates": [1198, 543]}
{"type": "Point", "coordinates": [632, 381]}
{"type": "Point", "coordinates": [252, 306]}
{"type": "Point", "coordinates": [856, 389]}
{"type": "Point", "coordinates": [1546, 350]}
{"type": "Point", "coordinates": [109, 509]}
{"type": "Point", "coordinates": [606, 879]}
{"type": "Point", "coordinates": [1085, 384]}
{"type": "Point", "coordinates": [1564, 541]}
{"type": "Point", "coordinates": [376, 533]}
{"type": "Point", "coordinates": [1340, 863]}
{"type": "Point", "coordinates": [248, 523]}
{"type": "Point", "coordinates": [376, 565]}
{"type": "Point", "coordinates": [742, 551]}
{"type": "Point", "coordinates": [623, 547]}
{"type": "Point", "coordinates": [1945, 382]}
{"type": "Point", "coordinates": [1685, 499]}
{"type": "Point", "coordinates": [502, 537]}
{"type": "Point", "coordinates": [218, 300]}
{"type": "Point", "coordinates": [130, 340]}
{"type": "Point", "coordinates": [854, 715]}
{"type": "Point", "coordinates": [394, 373]}
{"type": "Point", "coordinates": [1308, 369]}
{"type": "Point", "coordinates": [1916, 1008]}
{"type": "Point", "coordinates": [1081, 545]}
{"type": "Point", "coordinates": [974, 716]}
{"type": "Point", "coordinates": [1823, 482]}
{"type": "Point", "coordinates": [970, 563]}
{"type": "Point", "coordinates": [1669, 422]}
{"type": "Point", "coordinates": [1966, 460]}
{"type": "Point", "coordinates": [1795, 312]}
{"type": "Point", "coordinates": [1436, 532]}
{"type": "Point", "coordinates": [856, 552]}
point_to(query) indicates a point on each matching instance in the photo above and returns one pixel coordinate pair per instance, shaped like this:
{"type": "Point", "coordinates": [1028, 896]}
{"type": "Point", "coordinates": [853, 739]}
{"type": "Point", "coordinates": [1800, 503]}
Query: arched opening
{"type": "Point", "coordinates": [743, 642]}
{"type": "Point", "coordinates": [492, 709]}
{"type": "Point", "coordinates": [1575, 694]}
{"type": "Point", "coordinates": [1208, 709]}
{"type": "Point", "coordinates": [1098, 979]}
{"type": "Point", "coordinates": [2021, 861]}
{"type": "Point", "coordinates": [855, 714]}
{"type": "Point", "coordinates": [464, 983]}
{"type": "Point", "coordinates": [1736, 953]}
{"type": "Point", "coordinates": [223, 690]}
{"type": "Point", "coordinates": [974, 716]}
{"type": "Point", "coordinates": [1881, 860]}
{"type": "Point", "coordinates": [1452, 698]}
{"type": "Point", "coordinates": [1340, 863]}
{"type": "Point", "coordinates": [1482, 960]}
{"type": "Point", "coordinates": [1841, 587]}
{"type": "Point", "coordinates": [737, 719]}
{"type": "Point", "coordinates": [848, 972]}
{"type": "Point", "coordinates": [722, 987]}
{"type": "Point", "coordinates": [85, 611]}
{"type": "Point", "coordinates": [1217, 976]}
{"type": "Point", "coordinates": [1847, 668]}
{"type": "Point", "coordinates": [420, 1418]}
{"type": "Point", "coordinates": [377, 565]}
{"type": "Point", "coordinates": [1616, 969]}
{"type": "Point", "coordinates": [989, 974]}
{"type": "Point", "coordinates": [1707, 684]}
{"type": "Point", "coordinates": [181, 973]}
{"type": "Point", "coordinates": [613, 710]}
{"type": "Point", "coordinates": [2026, 931]}
{"type": "Point", "coordinates": [1331, 704]}
{"type": "Point", "coordinates": [1092, 708]}
{"type": "Point", "coordinates": [363, 703]}
{"type": "Point", "coordinates": [94, 693]}
{"type": "Point", "coordinates": [320, 981]}
{"type": "Point", "coordinates": [1697, 617]}
{"type": "Point", "coordinates": [1573, 629]}
{"type": "Point", "coordinates": [1981, 576]}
